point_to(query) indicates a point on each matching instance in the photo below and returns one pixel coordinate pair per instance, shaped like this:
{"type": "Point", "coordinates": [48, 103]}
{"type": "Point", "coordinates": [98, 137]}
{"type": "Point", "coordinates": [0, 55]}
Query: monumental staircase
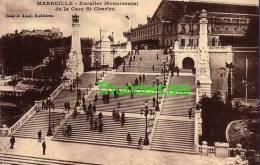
{"type": "Point", "coordinates": [11, 159]}
{"type": "Point", "coordinates": [113, 133]}
{"type": "Point", "coordinates": [174, 131]}
{"type": "Point", "coordinates": [39, 121]}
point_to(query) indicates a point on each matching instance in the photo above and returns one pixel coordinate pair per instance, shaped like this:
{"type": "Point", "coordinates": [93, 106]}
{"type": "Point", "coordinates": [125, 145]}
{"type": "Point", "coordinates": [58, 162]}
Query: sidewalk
{"type": "Point", "coordinates": [105, 155]}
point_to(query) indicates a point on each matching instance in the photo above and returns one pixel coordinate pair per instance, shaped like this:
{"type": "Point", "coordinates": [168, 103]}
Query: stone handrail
{"type": "Point", "coordinates": [23, 119]}
{"type": "Point", "coordinates": [188, 47]}
{"type": "Point", "coordinates": [57, 91]}
{"type": "Point", "coordinates": [61, 124]}
{"type": "Point", "coordinates": [68, 83]}
{"type": "Point", "coordinates": [33, 110]}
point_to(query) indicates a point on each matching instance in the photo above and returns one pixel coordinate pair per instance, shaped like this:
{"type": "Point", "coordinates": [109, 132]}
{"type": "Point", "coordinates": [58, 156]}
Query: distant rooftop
{"type": "Point", "coordinates": [221, 2]}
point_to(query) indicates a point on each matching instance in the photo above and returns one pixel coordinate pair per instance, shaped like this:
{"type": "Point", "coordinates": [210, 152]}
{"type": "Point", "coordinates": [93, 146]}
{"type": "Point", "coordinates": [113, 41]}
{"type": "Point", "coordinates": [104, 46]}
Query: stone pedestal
{"type": "Point", "coordinates": [205, 85]}
{"type": "Point", "coordinates": [221, 149]}
{"type": "Point", "coordinates": [204, 150]}
{"type": "Point", "coordinates": [4, 131]}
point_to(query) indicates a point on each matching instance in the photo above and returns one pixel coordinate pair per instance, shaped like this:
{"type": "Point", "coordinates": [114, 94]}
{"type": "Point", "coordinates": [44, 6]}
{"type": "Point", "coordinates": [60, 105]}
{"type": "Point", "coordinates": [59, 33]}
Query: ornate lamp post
{"type": "Point", "coordinates": [96, 64]}
{"type": "Point", "coordinates": [77, 89]}
{"type": "Point", "coordinates": [146, 111]}
{"type": "Point", "coordinates": [113, 52]}
{"type": "Point", "coordinates": [124, 65]}
{"type": "Point", "coordinates": [48, 105]}
{"type": "Point", "coordinates": [157, 83]}
{"type": "Point", "coordinates": [230, 66]}
{"type": "Point", "coordinates": [164, 70]}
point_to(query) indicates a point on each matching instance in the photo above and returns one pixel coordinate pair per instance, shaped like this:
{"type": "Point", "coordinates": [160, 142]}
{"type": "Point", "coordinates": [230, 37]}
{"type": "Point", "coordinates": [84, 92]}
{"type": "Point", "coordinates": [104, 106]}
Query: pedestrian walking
{"type": "Point", "coordinates": [94, 108]}
{"type": "Point", "coordinates": [177, 71]}
{"type": "Point", "coordinates": [91, 123]}
{"type": "Point", "coordinates": [69, 130]}
{"type": "Point", "coordinates": [140, 58]}
{"type": "Point", "coordinates": [140, 143]}
{"type": "Point", "coordinates": [87, 114]}
{"type": "Point", "coordinates": [43, 147]}
{"type": "Point", "coordinates": [153, 101]}
{"type": "Point", "coordinates": [143, 77]}
{"type": "Point", "coordinates": [122, 118]}
{"type": "Point", "coordinates": [83, 100]}
{"type": "Point", "coordinates": [140, 79]}
{"type": "Point", "coordinates": [113, 114]}
{"type": "Point", "coordinates": [39, 135]}
{"type": "Point", "coordinates": [190, 113]}
{"type": "Point", "coordinates": [153, 67]}
{"type": "Point", "coordinates": [96, 98]}
{"type": "Point", "coordinates": [129, 138]}
{"type": "Point", "coordinates": [95, 124]}
{"type": "Point", "coordinates": [12, 141]}
{"type": "Point", "coordinates": [157, 57]}
{"type": "Point", "coordinates": [100, 116]}
{"type": "Point", "coordinates": [100, 126]}
{"type": "Point", "coordinates": [89, 106]}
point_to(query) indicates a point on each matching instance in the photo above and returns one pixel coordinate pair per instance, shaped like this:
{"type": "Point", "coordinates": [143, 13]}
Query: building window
{"type": "Point", "coordinates": [182, 42]}
{"type": "Point", "coordinates": [217, 28]}
{"type": "Point", "coordinates": [183, 30]}
{"type": "Point", "coordinates": [234, 20]}
{"type": "Point", "coordinates": [190, 42]}
{"type": "Point", "coordinates": [226, 28]}
{"type": "Point", "coordinates": [243, 29]}
{"type": "Point", "coordinates": [235, 29]}
{"type": "Point", "coordinates": [157, 29]}
{"type": "Point", "coordinates": [217, 20]}
{"type": "Point", "coordinates": [171, 42]}
{"type": "Point", "coordinates": [226, 20]}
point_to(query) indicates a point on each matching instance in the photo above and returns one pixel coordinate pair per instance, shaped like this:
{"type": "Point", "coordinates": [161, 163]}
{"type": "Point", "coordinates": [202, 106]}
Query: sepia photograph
{"type": "Point", "coordinates": [129, 82]}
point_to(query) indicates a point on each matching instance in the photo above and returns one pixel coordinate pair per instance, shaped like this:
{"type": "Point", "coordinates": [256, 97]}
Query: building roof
{"type": "Point", "coordinates": [217, 2]}
{"type": "Point", "coordinates": [209, 6]}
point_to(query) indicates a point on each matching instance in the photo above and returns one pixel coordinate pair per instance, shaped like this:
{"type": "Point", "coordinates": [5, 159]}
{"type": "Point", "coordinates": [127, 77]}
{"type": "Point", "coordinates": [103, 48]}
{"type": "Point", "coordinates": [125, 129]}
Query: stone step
{"type": "Point", "coordinates": [29, 160]}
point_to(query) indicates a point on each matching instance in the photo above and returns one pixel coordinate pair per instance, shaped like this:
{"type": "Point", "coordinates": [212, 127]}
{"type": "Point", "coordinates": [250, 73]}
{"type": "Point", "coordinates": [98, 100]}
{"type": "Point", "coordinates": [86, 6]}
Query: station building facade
{"type": "Point", "coordinates": [228, 24]}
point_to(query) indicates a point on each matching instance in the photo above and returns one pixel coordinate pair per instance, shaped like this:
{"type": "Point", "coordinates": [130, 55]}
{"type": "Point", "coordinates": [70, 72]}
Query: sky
{"type": "Point", "coordinates": [90, 21]}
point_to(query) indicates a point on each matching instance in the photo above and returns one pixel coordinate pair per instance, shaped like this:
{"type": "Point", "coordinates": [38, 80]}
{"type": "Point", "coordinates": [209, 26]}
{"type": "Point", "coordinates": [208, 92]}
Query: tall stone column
{"type": "Point", "coordinates": [74, 63]}
{"type": "Point", "coordinates": [203, 68]}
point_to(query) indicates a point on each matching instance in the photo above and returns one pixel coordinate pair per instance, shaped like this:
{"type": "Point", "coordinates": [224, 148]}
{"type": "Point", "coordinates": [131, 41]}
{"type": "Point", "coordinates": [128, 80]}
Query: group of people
{"type": "Point", "coordinates": [130, 140]}
{"type": "Point", "coordinates": [116, 116]}
{"type": "Point", "coordinates": [96, 123]}
{"type": "Point", "coordinates": [90, 111]}
{"type": "Point", "coordinates": [106, 98]}
{"type": "Point", "coordinates": [47, 104]}
{"type": "Point", "coordinates": [12, 142]}
{"type": "Point", "coordinates": [67, 130]}
{"type": "Point", "coordinates": [175, 69]}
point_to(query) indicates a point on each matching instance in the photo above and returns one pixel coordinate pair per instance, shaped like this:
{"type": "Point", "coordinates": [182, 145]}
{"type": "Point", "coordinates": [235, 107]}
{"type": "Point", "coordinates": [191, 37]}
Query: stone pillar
{"type": "Point", "coordinates": [74, 63]}
{"type": "Point", "coordinates": [203, 69]}
{"type": "Point", "coordinates": [221, 149]}
{"type": "Point", "coordinates": [198, 126]}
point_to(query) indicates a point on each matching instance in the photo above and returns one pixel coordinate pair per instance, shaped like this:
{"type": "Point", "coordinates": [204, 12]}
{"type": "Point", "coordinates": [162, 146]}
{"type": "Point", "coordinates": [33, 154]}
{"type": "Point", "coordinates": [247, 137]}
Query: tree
{"type": "Point", "coordinates": [215, 118]}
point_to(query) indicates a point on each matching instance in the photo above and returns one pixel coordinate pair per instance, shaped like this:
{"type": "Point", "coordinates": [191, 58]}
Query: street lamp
{"type": "Point", "coordinates": [103, 64]}
{"type": "Point", "coordinates": [77, 89]}
{"type": "Point", "coordinates": [48, 105]}
{"type": "Point", "coordinates": [164, 70]}
{"type": "Point", "coordinates": [113, 52]}
{"type": "Point", "coordinates": [157, 82]}
{"type": "Point", "coordinates": [146, 111]}
{"type": "Point", "coordinates": [230, 66]}
{"type": "Point", "coordinates": [96, 63]}
{"type": "Point", "coordinates": [124, 65]}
